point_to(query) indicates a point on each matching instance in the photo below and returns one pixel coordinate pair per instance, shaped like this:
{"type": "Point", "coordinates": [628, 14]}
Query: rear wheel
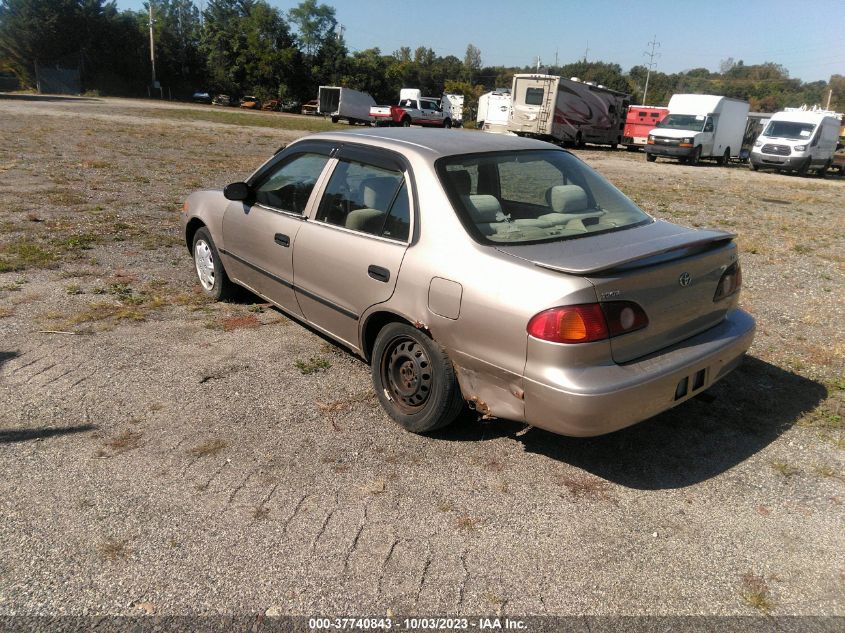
{"type": "Point", "coordinates": [447, 124]}
{"type": "Point", "coordinates": [579, 140]}
{"type": "Point", "coordinates": [406, 122]}
{"type": "Point", "coordinates": [414, 379]}
{"type": "Point", "coordinates": [823, 170]}
{"type": "Point", "coordinates": [335, 119]}
{"type": "Point", "coordinates": [651, 157]}
{"type": "Point", "coordinates": [726, 158]}
{"type": "Point", "coordinates": [213, 278]}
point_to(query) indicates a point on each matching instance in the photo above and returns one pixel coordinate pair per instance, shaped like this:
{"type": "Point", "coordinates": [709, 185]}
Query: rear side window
{"type": "Point", "coordinates": [288, 186]}
{"type": "Point", "coordinates": [367, 199]}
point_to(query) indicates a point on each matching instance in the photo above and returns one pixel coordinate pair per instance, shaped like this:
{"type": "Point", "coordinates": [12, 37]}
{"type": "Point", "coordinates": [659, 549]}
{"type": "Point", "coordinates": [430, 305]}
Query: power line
{"type": "Point", "coordinates": [651, 55]}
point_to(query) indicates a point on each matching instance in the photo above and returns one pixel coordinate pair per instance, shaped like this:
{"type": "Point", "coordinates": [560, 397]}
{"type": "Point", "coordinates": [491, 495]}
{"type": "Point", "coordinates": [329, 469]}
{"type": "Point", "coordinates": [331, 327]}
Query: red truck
{"type": "Point", "coordinates": [639, 122]}
{"type": "Point", "coordinates": [413, 109]}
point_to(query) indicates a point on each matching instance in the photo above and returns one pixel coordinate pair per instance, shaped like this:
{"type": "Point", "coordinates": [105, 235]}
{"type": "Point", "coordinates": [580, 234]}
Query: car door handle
{"type": "Point", "coordinates": [281, 239]}
{"type": "Point", "coordinates": [378, 273]}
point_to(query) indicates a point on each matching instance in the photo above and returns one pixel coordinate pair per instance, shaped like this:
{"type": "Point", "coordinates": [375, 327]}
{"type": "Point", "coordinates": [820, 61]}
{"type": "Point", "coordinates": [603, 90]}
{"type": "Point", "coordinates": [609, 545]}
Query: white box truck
{"type": "Point", "coordinates": [567, 110]}
{"type": "Point", "coordinates": [699, 126]}
{"type": "Point", "coordinates": [797, 139]}
{"type": "Point", "coordinates": [493, 111]}
{"type": "Point", "coordinates": [344, 103]}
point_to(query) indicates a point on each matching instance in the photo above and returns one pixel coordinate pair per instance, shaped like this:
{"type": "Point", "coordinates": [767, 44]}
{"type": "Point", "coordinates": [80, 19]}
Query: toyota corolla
{"type": "Point", "coordinates": [471, 269]}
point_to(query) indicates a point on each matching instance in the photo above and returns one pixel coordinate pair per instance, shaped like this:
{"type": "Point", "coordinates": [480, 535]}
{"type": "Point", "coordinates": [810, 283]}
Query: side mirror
{"type": "Point", "coordinates": [237, 191]}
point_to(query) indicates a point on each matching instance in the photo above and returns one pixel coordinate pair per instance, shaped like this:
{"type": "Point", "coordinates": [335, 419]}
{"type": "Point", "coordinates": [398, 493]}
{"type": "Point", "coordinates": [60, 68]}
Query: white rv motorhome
{"type": "Point", "coordinates": [797, 139]}
{"type": "Point", "coordinates": [699, 126]}
{"type": "Point", "coordinates": [493, 111]}
{"type": "Point", "coordinates": [344, 103]}
{"type": "Point", "coordinates": [567, 110]}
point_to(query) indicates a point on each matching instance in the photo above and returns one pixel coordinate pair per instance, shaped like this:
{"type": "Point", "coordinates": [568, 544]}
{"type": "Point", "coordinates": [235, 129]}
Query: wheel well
{"type": "Point", "coordinates": [375, 323]}
{"type": "Point", "coordinates": [194, 225]}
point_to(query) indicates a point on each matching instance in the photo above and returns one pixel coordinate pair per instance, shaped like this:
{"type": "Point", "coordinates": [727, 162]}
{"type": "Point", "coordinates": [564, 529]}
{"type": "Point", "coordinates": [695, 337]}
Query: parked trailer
{"type": "Point", "coordinates": [639, 121]}
{"type": "Point", "coordinates": [453, 108]}
{"type": "Point", "coordinates": [699, 126]}
{"type": "Point", "coordinates": [493, 111]}
{"type": "Point", "coordinates": [567, 110]}
{"type": "Point", "coordinates": [344, 103]}
{"type": "Point", "coordinates": [798, 139]}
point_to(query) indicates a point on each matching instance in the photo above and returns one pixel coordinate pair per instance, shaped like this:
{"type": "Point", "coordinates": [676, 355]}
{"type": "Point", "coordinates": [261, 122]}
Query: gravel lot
{"type": "Point", "coordinates": [170, 456]}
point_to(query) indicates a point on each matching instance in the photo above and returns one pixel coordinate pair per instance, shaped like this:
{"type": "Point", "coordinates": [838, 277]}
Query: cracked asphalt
{"type": "Point", "coordinates": [163, 455]}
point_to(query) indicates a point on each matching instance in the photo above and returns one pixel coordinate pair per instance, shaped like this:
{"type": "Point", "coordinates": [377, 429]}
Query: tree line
{"type": "Point", "coordinates": [242, 47]}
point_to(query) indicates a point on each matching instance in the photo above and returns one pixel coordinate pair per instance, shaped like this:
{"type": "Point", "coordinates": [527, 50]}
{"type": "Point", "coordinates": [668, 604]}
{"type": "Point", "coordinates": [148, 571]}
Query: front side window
{"type": "Point", "coordinates": [368, 199]}
{"type": "Point", "coordinates": [533, 196]}
{"type": "Point", "coordinates": [288, 186]}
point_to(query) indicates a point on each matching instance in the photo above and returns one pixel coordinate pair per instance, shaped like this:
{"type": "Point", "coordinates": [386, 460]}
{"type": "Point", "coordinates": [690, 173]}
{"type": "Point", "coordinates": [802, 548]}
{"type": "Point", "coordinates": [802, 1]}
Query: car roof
{"type": "Point", "coordinates": [433, 143]}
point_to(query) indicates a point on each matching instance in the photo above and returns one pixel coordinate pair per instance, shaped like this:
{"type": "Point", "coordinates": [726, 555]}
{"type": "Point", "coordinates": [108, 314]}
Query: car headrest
{"type": "Point", "coordinates": [483, 208]}
{"type": "Point", "coordinates": [567, 199]}
{"type": "Point", "coordinates": [377, 192]}
{"type": "Point", "coordinates": [461, 181]}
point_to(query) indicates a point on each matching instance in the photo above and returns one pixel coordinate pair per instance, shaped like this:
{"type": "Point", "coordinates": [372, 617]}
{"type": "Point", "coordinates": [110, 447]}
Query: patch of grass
{"type": "Point", "coordinates": [239, 322]}
{"type": "Point", "coordinates": [801, 249]}
{"type": "Point", "coordinates": [73, 289]}
{"type": "Point", "coordinates": [208, 448]}
{"type": "Point", "coordinates": [66, 197]}
{"type": "Point", "coordinates": [77, 242]}
{"type": "Point", "coordinates": [261, 512]}
{"type": "Point", "coordinates": [445, 506]}
{"type": "Point", "coordinates": [234, 117]}
{"type": "Point", "coordinates": [312, 365]}
{"type": "Point", "coordinates": [96, 164]}
{"type": "Point", "coordinates": [823, 470]}
{"type": "Point", "coordinates": [25, 254]}
{"type": "Point", "coordinates": [6, 312]}
{"type": "Point", "coordinates": [467, 523]}
{"type": "Point", "coordinates": [125, 441]}
{"type": "Point", "coordinates": [96, 312]}
{"type": "Point", "coordinates": [113, 549]}
{"type": "Point", "coordinates": [755, 593]}
{"type": "Point", "coordinates": [582, 486]}
{"type": "Point", "coordinates": [15, 286]}
{"type": "Point", "coordinates": [785, 469]}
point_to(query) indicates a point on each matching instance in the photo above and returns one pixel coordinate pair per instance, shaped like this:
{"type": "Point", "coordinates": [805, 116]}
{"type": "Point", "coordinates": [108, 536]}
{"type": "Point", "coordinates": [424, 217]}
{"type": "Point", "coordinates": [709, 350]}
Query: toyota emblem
{"type": "Point", "coordinates": [684, 279]}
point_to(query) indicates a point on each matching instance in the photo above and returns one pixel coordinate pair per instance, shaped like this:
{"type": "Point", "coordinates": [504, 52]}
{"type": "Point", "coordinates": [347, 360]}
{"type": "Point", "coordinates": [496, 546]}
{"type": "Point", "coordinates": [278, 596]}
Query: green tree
{"type": "Point", "coordinates": [315, 22]}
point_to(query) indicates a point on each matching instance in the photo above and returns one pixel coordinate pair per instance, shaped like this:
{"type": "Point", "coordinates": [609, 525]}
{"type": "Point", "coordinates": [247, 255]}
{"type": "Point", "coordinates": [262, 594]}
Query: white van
{"type": "Point", "coordinates": [699, 126]}
{"type": "Point", "coordinates": [797, 139]}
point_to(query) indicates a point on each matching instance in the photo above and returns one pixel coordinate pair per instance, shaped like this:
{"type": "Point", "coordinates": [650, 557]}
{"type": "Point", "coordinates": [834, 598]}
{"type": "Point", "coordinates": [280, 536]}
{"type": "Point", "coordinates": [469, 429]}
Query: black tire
{"type": "Point", "coordinates": [614, 145]}
{"type": "Point", "coordinates": [631, 148]}
{"type": "Point", "coordinates": [579, 140]}
{"type": "Point", "coordinates": [803, 169]}
{"type": "Point", "coordinates": [406, 122]}
{"type": "Point", "coordinates": [216, 283]}
{"type": "Point", "coordinates": [335, 119]}
{"type": "Point", "coordinates": [753, 166]}
{"type": "Point", "coordinates": [651, 157]}
{"type": "Point", "coordinates": [824, 168]}
{"type": "Point", "coordinates": [447, 124]}
{"type": "Point", "coordinates": [414, 379]}
{"type": "Point", "coordinates": [726, 157]}
{"type": "Point", "coordinates": [695, 157]}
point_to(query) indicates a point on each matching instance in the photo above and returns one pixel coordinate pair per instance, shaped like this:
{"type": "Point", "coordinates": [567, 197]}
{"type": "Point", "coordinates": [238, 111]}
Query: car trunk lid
{"type": "Point", "coordinates": [670, 271]}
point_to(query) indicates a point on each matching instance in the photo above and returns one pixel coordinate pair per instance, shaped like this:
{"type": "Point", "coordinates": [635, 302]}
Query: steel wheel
{"type": "Point", "coordinates": [204, 260]}
{"type": "Point", "coordinates": [406, 372]}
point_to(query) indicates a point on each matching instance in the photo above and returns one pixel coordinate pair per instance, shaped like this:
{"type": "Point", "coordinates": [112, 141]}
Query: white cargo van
{"type": "Point", "coordinates": [699, 126]}
{"type": "Point", "coordinates": [493, 109]}
{"type": "Point", "coordinates": [797, 139]}
{"type": "Point", "coordinates": [344, 103]}
{"type": "Point", "coordinates": [453, 107]}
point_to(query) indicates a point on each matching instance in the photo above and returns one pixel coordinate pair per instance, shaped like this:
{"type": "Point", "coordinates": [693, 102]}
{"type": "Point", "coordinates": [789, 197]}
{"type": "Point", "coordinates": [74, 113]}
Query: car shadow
{"type": "Point", "coordinates": [698, 440]}
{"type": "Point", "coordinates": [10, 436]}
{"type": "Point", "coordinates": [5, 357]}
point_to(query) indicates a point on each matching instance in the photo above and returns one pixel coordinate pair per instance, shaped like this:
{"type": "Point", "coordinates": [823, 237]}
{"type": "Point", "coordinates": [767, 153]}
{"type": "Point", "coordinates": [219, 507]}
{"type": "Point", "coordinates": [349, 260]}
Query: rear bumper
{"type": "Point", "coordinates": [587, 401]}
{"type": "Point", "coordinates": [668, 150]}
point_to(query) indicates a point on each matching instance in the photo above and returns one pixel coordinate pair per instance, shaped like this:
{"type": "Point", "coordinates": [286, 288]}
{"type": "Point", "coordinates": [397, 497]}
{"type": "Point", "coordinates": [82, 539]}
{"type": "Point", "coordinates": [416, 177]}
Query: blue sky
{"type": "Point", "coordinates": [805, 36]}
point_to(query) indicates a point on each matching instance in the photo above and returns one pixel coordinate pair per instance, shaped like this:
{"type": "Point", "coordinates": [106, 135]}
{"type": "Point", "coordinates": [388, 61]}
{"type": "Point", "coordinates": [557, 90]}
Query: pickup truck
{"type": "Point", "coordinates": [412, 110]}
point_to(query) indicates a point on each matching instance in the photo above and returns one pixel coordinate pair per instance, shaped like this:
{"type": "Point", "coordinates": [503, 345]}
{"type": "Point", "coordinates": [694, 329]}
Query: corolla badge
{"type": "Point", "coordinates": [685, 279]}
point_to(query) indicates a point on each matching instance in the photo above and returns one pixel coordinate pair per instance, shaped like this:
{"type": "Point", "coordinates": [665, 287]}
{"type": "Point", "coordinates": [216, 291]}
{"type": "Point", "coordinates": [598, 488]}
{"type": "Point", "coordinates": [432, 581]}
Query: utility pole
{"type": "Point", "coordinates": [556, 57]}
{"type": "Point", "coordinates": [152, 45]}
{"type": "Point", "coordinates": [538, 64]}
{"type": "Point", "coordinates": [651, 55]}
{"type": "Point", "coordinates": [586, 51]}
{"type": "Point", "coordinates": [829, 95]}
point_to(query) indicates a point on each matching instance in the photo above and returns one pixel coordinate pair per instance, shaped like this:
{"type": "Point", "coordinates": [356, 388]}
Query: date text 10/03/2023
{"type": "Point", "coordinates": [416, 624]}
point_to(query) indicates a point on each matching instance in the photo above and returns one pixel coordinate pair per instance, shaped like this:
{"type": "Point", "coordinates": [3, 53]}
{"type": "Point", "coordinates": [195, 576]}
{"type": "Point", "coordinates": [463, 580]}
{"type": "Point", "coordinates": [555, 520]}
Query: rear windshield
{"type": "Point", "coordinates": [789, 129]}
{"type": "Point", "coordinates": [533, 196]}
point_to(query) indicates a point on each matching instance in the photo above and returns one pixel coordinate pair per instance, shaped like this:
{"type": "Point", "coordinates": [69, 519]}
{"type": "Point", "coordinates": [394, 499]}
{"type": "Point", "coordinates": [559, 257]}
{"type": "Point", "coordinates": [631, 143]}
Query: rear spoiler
{"type": "Point", "coordinates": [613, 252]}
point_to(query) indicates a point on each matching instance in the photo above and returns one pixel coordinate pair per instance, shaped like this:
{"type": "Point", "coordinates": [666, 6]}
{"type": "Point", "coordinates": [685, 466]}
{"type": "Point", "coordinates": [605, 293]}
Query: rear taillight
{"type": "Point", "coordinates": [730, 282]}
{"type": "Point", "coordinates": [587, 322]}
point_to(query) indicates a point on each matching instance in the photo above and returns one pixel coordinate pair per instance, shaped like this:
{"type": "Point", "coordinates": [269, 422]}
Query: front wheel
{"type": "Point", "coordinates": [651, 157]}
{"type": "Point", "coordinates": [414, 379]}
{"type": "Point", "coordinates": [802, 171]}
{"type": "Point", "coordinates": [213, 278]}
{"type": "Point", "coordinates": [695, 157]}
